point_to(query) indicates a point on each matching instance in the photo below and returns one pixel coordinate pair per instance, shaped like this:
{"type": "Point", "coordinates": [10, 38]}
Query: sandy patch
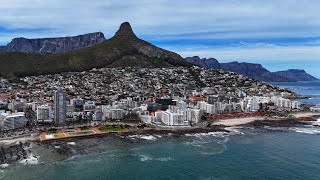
{"type": "Point", "coordinates": [237, 121]}
{"type": "Point", "coordinates": [305, 114]}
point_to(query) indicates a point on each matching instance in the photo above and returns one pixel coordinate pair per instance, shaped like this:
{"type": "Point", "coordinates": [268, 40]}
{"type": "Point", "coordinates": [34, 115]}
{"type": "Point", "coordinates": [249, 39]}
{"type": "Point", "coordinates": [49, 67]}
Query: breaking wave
{"type": "Point", "coordinates": [31, 159]}
{"type": "Point", "coordinates": [306, 130]}
{"type": "Point", "coordinates": [145, 137]}
{"type": "Point", "coordinates": [71, 143]}
{"type": "Point", "coordinates": [145, 158]}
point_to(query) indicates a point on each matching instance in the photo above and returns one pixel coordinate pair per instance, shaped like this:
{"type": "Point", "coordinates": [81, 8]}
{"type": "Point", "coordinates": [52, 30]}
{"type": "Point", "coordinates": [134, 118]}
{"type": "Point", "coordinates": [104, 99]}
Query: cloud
{"type": "Point", "coordinates": [257, 53]}
{"type": "Point", "coordinates": [179, 18]}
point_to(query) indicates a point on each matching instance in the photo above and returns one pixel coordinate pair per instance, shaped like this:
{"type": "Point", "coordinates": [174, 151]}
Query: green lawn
{"type": "Point", "coordinates": [110, 128]}
{"type": "Point", "coordinates": [81, 133]}
{"type": "Point", "coordinates": [61, 135]}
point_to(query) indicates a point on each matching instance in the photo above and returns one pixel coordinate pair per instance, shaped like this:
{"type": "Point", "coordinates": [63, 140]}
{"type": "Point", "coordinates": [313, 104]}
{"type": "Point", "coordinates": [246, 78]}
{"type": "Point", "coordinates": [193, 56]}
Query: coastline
{"type": "Point", "coordinates": [20, 147]}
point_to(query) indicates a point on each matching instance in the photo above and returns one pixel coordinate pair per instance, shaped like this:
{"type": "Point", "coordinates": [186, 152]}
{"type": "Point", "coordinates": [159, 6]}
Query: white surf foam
{"type": "Point", "coordinates": [31, 159]}
{"type": "Point", "coordinates": [216, 134]}
{"type": "Point", "coordinates": [145, 137]}
{"type": "Point", "coordinates": [71, 143]}
{"type": "Point", "coordinates": [316, 123]}
{"type": "Point", "coordinates": [148, 137]}
{"type": "Point", "coordinates": [234, 130]}
{"type": "Point", "coordinates": [3, 166]}
{"type": "Point", "coordinates": [144, 158]}
{"type": "Point", "coordinates": [306, 130]}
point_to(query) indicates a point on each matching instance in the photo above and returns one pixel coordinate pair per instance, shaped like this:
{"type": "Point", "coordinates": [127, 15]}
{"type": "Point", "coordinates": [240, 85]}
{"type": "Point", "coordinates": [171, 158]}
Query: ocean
{"type": "Point", "coordinates": [245, 153]}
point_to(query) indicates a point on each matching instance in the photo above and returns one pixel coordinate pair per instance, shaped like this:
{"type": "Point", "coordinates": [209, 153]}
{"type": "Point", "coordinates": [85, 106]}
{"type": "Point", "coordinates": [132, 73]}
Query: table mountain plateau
{"type": "Point", "coordinates": [53, 45]}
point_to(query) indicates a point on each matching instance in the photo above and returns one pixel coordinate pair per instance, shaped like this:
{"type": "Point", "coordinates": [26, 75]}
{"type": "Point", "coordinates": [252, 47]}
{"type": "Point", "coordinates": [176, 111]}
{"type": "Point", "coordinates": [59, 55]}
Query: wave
{"type": "Point", "coordinates": [144, 158]}
{"type": "Point", "coordinates": [316, 123]}
{"type": "Point", "coordinates": [31, 159]}
{"type": "Point", "coordinates": [71, 143]}
{"type": "Point", "coordinates": [216, 134]}
{"type": "Point", "coordinates": [211, 143]}
{"type": "Point", "coordinates": [314, 131]}
{"type": "Point", "coordinates": [276, 128]}
{"type": "Point", "coordinates": [234, 130]}
{"type": "Point", "coordinates": [3, 166]}
{"type": "Point", "coordinates": [145, 137]}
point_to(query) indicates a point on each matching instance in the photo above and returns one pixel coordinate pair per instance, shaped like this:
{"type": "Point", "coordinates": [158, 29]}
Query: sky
{"type": "Point", "coordinates": [279, 34]}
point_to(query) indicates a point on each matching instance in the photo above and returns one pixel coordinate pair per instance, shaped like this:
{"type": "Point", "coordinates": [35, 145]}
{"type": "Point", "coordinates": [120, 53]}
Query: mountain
{"type": "Point", "coordinates": [296, 74]}
{"type": "Point", "coordinates": [210, 63]}
{"type": "Point", "coordinates": [255, 71]}
{"type": "Point", "coordinates": [123, 49]}
{"type": "Point", "coordinates": [53, 45]}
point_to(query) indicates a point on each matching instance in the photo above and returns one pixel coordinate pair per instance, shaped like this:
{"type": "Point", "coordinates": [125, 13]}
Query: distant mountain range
{"type": "Point", "coordinates": [256, 71]}
{"type": "Point", "coordinates": [53, 45]}
{"type": "Point", "coordinates": [123, 49]}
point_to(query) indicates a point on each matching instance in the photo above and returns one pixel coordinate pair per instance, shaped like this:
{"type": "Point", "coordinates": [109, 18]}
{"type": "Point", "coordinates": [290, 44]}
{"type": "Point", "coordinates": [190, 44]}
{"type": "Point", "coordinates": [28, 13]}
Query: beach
{"type": "Point", "coordinates": [237, 121]}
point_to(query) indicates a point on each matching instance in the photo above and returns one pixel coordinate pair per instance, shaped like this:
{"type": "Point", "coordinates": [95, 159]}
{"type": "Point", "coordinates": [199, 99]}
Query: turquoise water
{"type": "Point", "coordinates": [263, 155]}
{"type": "Point", "coordinates": [268, 153]}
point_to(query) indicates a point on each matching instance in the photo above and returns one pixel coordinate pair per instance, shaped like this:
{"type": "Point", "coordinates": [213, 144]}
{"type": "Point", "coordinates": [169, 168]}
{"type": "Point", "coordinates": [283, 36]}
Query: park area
{"type": "Point", "coordinates": [111, 128]}
{"type": "Point", "coordinates": [80, 132]}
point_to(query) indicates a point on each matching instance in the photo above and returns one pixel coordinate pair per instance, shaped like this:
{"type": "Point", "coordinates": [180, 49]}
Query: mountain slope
{"type": "Point", "coordinates": [123, 46]}
{"type": "Point", "coordinates": [296, 74]}
{"type": "Point", "coordinates": [53, 45]}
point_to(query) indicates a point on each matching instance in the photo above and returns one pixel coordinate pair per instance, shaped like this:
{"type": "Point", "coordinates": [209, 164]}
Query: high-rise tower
{"type": "Point", "coordinates": [60, 106]}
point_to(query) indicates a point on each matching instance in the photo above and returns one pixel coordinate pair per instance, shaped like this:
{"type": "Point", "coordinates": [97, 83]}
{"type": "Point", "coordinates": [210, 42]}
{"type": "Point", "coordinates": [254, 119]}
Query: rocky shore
{"type": "Point", "coordinates": [13, 153]}
{"type": "Point", "coordinates": [291, 122]}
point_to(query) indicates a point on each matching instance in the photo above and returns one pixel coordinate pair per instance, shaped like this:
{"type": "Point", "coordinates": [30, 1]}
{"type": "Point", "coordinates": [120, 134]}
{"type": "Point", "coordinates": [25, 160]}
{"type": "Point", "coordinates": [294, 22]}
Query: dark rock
{"type": "Point", "coordinates": [125, 30]}
{"type": "Point", "coordinates": [296, 74]}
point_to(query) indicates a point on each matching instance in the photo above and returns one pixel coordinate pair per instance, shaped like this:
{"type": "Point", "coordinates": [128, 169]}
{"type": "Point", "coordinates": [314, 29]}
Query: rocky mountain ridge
{"type": "Point", "coordinates": [252, 70]}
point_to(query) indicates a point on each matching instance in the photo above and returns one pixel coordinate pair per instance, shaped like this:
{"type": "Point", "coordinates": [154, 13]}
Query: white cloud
{"type": "Point", "coordinates": [259, 53]}
{"type": "Point", "coordinates": [163, 17]}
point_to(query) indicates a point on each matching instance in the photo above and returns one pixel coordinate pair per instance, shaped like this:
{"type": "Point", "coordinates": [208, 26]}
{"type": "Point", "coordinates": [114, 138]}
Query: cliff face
{"type": "Point", "coordinates": [296, 74]}
{"type": "Point", "coordinates": [210, 63]}
{"type": "Point", "coordinates": [122, 50]}
{"type": "Point", "coordinates": [53, 45]}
